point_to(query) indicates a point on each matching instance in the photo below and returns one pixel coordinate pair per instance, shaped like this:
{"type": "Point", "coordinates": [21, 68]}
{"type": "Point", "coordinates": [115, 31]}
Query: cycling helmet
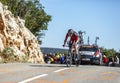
{"type": "Point", "coordinates": [70, 31]}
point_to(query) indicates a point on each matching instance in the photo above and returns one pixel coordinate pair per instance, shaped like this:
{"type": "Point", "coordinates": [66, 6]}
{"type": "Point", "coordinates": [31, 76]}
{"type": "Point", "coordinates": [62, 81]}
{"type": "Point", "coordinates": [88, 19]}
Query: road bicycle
{"type": "Point", "coordinates": [71, 58]}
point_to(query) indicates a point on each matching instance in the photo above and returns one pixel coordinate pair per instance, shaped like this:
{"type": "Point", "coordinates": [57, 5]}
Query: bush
{"type": "Point", "coordinates": [7, 54]}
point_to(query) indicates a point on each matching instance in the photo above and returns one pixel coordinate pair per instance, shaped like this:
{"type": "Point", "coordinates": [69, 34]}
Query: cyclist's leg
{"type": "Point", "coordinates": [76, 45]}
{"type": "Point", "coordinates": [70, 49]}
{"type": "Point", "coordinates": [70, 53]}
{"type": "Point", "coordinates": [77, 57]}
{"type": "Point", "coordinates": [76, 49]}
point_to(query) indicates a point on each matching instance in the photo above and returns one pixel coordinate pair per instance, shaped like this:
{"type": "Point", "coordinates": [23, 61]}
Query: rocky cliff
{"type": "Point", "coordinates": [15, 35]}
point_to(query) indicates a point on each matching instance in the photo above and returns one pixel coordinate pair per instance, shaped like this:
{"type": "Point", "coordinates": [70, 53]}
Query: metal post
{"type": "Point", "coordinates": [97, 38]}
{"type": "Point", "coordinates": [81, 41]}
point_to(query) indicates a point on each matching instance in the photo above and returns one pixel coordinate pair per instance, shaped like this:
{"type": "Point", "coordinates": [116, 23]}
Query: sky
{"type": "Point", "coordinates": [98, 18]}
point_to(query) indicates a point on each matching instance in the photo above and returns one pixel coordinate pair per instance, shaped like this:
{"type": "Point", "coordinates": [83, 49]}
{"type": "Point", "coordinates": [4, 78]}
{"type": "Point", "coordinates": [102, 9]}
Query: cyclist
{"type": "Point", "coordinates": [73, 41]}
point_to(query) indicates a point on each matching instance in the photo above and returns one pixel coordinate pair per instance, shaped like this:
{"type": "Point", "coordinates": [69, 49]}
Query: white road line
{"type": "Point", "coordinates": [61, 69]}
{"type": "Point", "coordinates": [42, 75]}
{"type": "Point", "coordinates": [30, 79]}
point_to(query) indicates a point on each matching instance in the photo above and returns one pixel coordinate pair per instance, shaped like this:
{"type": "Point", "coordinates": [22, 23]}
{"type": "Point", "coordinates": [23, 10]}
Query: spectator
{"type": "Point", "coordinates": [111, 61]}
{"type": "Point", "coordinates": [46, 58]}
{"type": "Point", "coordinates": [58, 57]}
{"type": "Point", "coordinates": [116, 60]}
{"type": "Point", "coordinates": [51, 59]}
{"type": "Point", "coordinates": [105, 60]}
{"type": "Point", "coordinates": [62, 58]}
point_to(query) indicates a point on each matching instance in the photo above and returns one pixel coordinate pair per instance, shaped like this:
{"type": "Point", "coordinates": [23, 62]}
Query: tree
{"type": "Point", "coordinates": [12, 5]}
{"type": "Point", "coordinates": [108, 52]}
{"type": "Point", "coordinates": [32, 11]}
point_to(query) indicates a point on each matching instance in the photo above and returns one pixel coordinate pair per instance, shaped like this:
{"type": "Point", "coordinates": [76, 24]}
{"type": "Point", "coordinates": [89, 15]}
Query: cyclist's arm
{"type": "Point", "coordinates": [66, 39]}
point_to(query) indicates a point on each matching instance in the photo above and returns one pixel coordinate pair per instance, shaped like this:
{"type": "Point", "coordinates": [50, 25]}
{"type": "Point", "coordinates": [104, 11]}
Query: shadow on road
{"type": "Point", "coordinates": [64, 65]}
{"type": "Point", "coordinates": [49, 65]}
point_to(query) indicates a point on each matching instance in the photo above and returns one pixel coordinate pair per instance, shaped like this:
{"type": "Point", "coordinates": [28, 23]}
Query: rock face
{"type": "Point", "coordinates": [15, 35]}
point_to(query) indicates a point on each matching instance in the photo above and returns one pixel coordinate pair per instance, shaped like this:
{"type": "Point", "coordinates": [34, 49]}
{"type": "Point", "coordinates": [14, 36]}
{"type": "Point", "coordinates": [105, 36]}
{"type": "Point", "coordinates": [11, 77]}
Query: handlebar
{"type": "Point", "coordinates": [65, 46]}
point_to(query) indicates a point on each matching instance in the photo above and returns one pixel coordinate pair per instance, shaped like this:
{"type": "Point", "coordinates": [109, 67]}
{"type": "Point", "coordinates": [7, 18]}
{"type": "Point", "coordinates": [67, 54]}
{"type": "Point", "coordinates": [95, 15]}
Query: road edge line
{"type": "Point", "coordinates": [61, 70]}
{"type": "Point", "coordinates": [36, 77]}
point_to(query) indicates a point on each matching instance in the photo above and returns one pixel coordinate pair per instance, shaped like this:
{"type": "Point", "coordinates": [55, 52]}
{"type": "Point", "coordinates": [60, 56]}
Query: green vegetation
{"type": "Point", "coordinates": [7, 55]}
{"type": "Point", "coordinates": [7, 52]}
{"type": "Point", "coordinates": [110, 52]}
{"type": "Point", "coordinates": [32, 11]}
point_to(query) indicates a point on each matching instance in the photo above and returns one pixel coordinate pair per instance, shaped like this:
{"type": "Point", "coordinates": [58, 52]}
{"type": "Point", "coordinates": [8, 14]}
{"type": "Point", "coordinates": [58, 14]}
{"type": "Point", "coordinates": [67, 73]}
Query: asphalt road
{"type": "Point", "coordinates": [57, 73]}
